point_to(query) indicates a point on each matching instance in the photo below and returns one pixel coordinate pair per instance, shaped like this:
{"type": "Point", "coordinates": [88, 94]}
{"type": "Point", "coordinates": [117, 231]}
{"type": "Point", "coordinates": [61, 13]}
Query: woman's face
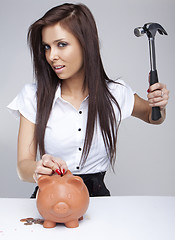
{"type": "Point", "coordinates": [63, 52]}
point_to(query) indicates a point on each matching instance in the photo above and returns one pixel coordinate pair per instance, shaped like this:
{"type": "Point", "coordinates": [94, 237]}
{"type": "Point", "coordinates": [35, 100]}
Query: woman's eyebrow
{"type": "Point", "coordinates": [55, 41]}
{"type": "Point", "coordinates": [59, 40]}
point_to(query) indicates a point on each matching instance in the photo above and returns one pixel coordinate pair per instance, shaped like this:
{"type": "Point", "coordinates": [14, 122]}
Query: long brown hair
{"type": "Point", "coordinates": [79, 20]}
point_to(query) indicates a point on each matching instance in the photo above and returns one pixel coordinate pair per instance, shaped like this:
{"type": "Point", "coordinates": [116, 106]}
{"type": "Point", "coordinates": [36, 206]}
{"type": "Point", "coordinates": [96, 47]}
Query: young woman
{"type": "Point", "coordinates": [73, 112]}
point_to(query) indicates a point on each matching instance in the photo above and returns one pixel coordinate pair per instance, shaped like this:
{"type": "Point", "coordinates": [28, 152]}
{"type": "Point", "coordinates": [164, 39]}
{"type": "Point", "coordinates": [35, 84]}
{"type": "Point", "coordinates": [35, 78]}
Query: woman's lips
{"type": "Point", "coordinates": [58, 68]}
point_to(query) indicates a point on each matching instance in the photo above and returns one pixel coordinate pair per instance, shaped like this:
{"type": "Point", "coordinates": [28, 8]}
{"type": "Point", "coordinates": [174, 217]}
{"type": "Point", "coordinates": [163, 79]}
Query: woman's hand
{"type": "Point", "coordinates": [158, 95]}
{"type": "Point", "coordinates": [48, 165]}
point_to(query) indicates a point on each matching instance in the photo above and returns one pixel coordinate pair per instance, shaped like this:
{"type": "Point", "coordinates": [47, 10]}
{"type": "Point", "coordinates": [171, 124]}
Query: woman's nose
{"type": "Point", "coordinates": [53, 55]}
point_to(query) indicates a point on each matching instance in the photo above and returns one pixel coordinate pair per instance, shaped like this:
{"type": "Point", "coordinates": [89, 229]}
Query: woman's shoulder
{"type": "Point", "coordinates": [124, 95]}
{"type": "Point", "coordinates": [29, 88]}
{"type": "Point", "coordinates": [118, 87]}
{"type": "Point", "coordinates": [25, 103]}
{"type": "Point", "coordinates": [28, 92]}
{"type": "Point", "coordinates": [116, 84]}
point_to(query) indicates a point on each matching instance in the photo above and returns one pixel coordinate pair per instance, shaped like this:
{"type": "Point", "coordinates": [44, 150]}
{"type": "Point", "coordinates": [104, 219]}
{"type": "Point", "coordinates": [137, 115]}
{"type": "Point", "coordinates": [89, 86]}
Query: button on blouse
{"type": "Point", "coordinates": [66, 127]}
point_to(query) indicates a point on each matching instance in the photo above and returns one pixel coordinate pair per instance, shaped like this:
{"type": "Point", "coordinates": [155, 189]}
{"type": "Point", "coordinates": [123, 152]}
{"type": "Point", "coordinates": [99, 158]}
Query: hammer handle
{"type": "Point", "coordinates": [156, 115]}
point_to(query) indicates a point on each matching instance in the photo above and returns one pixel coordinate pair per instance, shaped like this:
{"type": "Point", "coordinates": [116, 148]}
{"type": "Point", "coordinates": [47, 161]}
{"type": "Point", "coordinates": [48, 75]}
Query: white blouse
{"type": "Point", "coordinates": [66, 127]}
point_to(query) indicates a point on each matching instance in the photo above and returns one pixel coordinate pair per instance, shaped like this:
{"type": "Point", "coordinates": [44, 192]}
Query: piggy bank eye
{"type": "Point", "coordinates": [69, 196]}
{"type": "Point", "coordinates": [51, 196]}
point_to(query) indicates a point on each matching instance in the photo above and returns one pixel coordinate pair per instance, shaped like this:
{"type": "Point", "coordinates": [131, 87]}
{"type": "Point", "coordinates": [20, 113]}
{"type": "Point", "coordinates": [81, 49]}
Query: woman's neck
{"type": "Point", "coordinates": [74, 92]}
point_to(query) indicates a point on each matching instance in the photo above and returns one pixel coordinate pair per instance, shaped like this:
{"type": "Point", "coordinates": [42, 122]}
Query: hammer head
{"type": "Point", "coordinates": [150, 29]}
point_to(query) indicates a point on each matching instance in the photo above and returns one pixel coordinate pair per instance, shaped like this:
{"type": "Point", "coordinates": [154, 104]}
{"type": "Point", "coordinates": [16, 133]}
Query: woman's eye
{"type": "Point", "coordinates": [46, 47]}
{"type": "Point", "coordinates": [62, 44]}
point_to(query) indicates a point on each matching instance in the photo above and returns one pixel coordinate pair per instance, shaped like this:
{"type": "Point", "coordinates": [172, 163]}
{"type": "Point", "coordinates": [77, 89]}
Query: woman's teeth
{"type": "Point", "coordinates": [59, 67]}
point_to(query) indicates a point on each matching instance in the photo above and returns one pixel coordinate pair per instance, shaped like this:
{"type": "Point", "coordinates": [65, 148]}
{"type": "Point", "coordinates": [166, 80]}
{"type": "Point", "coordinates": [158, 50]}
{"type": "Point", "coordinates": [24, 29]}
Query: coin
{"type": "Point", "coordinates": [30, 219]}
{"type": "Point", "coordinates": [38, 221]}
{"type": "Point", "coordinates": [23, 220]}
{"type": "Point", "coordinates": [28, 223]}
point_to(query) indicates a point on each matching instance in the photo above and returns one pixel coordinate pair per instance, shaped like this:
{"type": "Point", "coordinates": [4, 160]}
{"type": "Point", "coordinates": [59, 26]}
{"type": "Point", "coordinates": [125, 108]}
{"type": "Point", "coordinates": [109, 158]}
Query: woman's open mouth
{"type": "Point", "coordinates": [58, 68]}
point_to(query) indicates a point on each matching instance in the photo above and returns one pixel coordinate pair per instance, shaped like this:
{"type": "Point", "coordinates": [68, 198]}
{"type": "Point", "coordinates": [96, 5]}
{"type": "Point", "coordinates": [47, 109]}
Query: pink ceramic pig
{"type": "Point", "coordinates": [62, 199]}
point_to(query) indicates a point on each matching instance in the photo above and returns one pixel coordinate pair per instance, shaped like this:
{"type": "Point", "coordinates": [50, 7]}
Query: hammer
{"type": "Point", "coordinates": [150, 29]}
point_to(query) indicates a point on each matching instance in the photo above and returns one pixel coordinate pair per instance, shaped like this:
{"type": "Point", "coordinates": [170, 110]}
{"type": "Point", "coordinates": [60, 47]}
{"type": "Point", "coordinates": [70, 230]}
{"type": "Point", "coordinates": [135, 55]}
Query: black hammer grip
{"type": "Point", "coordinates": [156, 115]}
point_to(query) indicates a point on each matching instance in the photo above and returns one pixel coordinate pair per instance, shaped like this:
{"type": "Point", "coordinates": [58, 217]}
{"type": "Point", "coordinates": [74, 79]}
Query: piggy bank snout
{"type": "Point", "coordinates": [61, 208]}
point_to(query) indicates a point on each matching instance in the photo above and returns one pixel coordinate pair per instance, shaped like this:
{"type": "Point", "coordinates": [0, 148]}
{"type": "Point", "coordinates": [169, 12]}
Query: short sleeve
{"type": "Point", "coordinates": [124, 96]}
{"type": "Point", "coordinates": [25, 103]}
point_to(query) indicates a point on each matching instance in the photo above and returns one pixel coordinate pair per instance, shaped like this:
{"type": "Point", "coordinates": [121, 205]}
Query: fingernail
{"type": "Point", "coordinates": [58, 171]}
{"type": "Point", "coordinates": [148, 90]}
{"type": "Point", "coordinates": [63, 171]}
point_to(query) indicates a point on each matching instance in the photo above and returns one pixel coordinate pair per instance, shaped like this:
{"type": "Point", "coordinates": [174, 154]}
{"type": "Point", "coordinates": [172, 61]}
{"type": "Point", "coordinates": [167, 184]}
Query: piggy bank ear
{"type": "Point", "coordinates": [43, 181]}
{"type": "Point", "coordinates": [76, 181]}
{"type": "Point", "coordinates": [68, 172]}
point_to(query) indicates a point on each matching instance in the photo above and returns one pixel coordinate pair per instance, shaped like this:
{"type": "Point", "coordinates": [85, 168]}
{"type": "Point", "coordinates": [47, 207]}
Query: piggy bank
{"type": "Point", "coordinates": [62, 199]}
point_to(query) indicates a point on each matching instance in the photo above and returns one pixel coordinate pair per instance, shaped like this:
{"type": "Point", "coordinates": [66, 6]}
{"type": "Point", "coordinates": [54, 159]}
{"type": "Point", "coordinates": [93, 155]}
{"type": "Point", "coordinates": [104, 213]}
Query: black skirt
{"type": "Point", "coordinates": [94, 183]}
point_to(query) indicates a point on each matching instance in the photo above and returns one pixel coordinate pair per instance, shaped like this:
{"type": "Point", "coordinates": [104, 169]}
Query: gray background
{"type": "Point", "coordinates": [145, 164]}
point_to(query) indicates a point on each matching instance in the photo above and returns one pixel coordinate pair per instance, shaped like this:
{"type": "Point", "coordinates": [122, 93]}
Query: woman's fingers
{"type": "Point", "coordinates": [48, 165]}
{"type": "Point", "coordinates": [55, 163]}
{"type": "Point", "coordinates": [158, 95]}
{"type": "Point", "coordinates": [47, 161]}
{"type": "Point", "coordinates": [41, 170]}
{"type": "Point", "coordinates": [61, 164]}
